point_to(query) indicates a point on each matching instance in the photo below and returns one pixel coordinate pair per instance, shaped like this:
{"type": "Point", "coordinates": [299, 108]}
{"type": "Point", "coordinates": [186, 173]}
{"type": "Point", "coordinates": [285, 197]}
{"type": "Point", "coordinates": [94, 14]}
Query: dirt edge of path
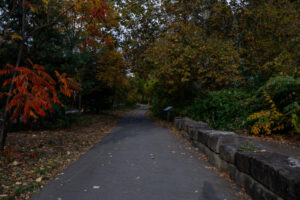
{"type": "Point", "coordinates": [33, 158]}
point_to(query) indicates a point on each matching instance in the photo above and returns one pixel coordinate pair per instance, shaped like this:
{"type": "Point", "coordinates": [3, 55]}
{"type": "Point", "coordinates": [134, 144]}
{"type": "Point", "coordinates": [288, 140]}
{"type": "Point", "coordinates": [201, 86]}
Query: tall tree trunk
{"type": "Point", "coordinates": [5, 124]}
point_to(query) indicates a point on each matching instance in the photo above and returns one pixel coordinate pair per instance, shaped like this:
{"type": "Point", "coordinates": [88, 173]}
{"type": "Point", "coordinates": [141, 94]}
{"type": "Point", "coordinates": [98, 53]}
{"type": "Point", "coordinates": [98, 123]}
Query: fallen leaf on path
{"type": "Point", "coordinates": [51, 153]}
{"type": "Point", "coordinates": [211, 168]}
{"type": "Point", "coordinates": [39, 179]}
{"type": "Point", "coordinates": [203, 157]}
{"type": "Point", "coordinates": [15, 163]}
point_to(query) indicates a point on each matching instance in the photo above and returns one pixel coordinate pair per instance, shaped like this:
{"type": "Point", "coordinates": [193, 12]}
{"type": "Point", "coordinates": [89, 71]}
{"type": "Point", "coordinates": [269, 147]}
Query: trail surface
{"type": "Point", "coordinates": [139, 161]}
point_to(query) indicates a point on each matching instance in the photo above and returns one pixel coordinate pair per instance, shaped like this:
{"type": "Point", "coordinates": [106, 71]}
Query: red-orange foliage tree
{"type": "Point", "coordinates": [33, 91]}
{"type": "Point", "coordinates": [38, 91]}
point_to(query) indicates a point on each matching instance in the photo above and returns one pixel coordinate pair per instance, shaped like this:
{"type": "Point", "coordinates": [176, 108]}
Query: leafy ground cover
{"type": "Point", "coordinates": [33, 158]}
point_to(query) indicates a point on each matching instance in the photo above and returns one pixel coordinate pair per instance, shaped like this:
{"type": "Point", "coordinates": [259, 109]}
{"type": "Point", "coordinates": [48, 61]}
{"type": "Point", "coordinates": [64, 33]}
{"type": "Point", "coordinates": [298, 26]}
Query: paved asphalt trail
{"type": "Point", "coordinates": [138, 161]}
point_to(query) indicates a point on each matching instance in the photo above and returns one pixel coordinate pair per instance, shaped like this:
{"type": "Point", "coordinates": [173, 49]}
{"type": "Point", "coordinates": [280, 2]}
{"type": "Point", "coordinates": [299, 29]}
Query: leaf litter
{"type": "Point", "coordinates": [33, 158]}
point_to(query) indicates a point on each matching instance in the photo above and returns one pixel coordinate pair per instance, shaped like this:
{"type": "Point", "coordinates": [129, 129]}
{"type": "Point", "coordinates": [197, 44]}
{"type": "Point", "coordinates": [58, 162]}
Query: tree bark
{"type": "Point", "coordinates": [5, 124]}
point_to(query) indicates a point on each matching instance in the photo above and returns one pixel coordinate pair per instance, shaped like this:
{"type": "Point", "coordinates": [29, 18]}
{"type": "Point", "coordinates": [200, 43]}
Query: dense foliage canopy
{"type": "Point", "coordinates": [234, 64]}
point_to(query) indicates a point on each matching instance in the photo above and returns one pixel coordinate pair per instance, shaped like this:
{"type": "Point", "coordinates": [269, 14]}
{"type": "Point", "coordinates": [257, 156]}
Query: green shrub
{"type": "Point", "coordinates": [158, 105]}
{"type": "Point", "coordinates": [281, 111]}
{"type": "Point", "coordinates": [226, 109]}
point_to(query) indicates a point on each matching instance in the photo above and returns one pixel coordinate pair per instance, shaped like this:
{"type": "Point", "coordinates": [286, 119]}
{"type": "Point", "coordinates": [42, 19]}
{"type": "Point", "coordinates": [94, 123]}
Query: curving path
{"type": "Point", "coordinates": [139, 161]}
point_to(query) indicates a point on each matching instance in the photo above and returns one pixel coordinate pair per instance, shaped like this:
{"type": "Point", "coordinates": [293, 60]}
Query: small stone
{"type": "Point", "coordinates": [96, 187]}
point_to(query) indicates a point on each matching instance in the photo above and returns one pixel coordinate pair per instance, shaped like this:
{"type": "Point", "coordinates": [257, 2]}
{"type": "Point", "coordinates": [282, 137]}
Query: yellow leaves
{"type": "Point", "coordinates": [33, 9]}
{"type": "Point", "coordinates": [171, 82]}
{"type": "Point", "coordinates": [258, 115]}
{"type": "Point", "coordinates": [186, 76]}
{"type": "Point", "coordinates": [37, 8]}
{"type": "Point", "coordinates": [184, 79]}
{"type": "Point", "coordinates": [45, 1]}
{"type": "Point", "coordinates": [267, 120]}
{"type": "Point", "coordinates": [262, 124]}
{"type": "Point", "coordinates": [15, 36]}
{"type": "Point", "coordinates": [112, 69]}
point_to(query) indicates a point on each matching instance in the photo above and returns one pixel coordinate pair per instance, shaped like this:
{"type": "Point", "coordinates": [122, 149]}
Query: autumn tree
{"type": "Point", "coordinates": [194, 51]}
{"type": "Point", "coordinates": [21, 21]}
{"type": "Point", "coordinates": [268, 38]}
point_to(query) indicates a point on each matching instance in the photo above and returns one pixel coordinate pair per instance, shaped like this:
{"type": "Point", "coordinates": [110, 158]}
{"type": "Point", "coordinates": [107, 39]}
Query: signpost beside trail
{"type": "Point", "coordinates": [168, 110]}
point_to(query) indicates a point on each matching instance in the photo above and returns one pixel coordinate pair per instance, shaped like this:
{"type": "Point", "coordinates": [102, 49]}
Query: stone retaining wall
{"type": "Point", "coordinates": [265, 175]}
